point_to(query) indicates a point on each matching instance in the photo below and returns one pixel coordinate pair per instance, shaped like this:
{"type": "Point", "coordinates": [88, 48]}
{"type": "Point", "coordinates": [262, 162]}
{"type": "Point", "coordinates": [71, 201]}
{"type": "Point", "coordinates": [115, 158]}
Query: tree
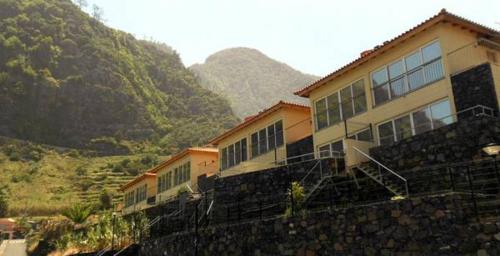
{"type": "Point", "coordinates": [106, 200]}
{"type": "Point", "coordinates": [97, 13]}
{"type": "Point", "coordinates": [81, 3]}
{"type": "Point", "coordinates": [78, 213]}
{"type": "Point", "coordinates": [4, 206]}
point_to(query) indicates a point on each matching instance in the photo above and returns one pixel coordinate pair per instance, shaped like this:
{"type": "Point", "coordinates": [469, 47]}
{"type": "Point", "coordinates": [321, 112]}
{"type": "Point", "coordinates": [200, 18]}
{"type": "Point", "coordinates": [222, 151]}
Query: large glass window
{"type": "Point", "coordinates": [235, 153]}
{"type": "Point", "coordinates": [321, 114]}
{"type": "Point", "coordinates": [340, 105]}
{"type": "Point", "coordinates": [430, 117]}
{"type": "Point", "coordinates": [141, 193]}
{"type": "Point", "coordinates": [268, 139]}
{"type": "Point", "coordinates": [411, 72]}
{"type": "Point", "coordinates": [332, 149]}
{"type": "Point", "coordinates": [130, 198]}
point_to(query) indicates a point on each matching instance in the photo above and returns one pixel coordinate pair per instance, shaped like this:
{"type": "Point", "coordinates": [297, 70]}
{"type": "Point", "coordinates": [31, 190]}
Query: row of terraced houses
{"type": "Point", "coordinates": [381, 108]}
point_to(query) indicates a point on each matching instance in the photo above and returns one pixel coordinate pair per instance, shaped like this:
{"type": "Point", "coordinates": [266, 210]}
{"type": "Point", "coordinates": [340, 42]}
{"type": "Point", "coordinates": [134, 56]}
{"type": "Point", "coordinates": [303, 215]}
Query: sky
{"type": "Point", "coordinates": [313, 36]}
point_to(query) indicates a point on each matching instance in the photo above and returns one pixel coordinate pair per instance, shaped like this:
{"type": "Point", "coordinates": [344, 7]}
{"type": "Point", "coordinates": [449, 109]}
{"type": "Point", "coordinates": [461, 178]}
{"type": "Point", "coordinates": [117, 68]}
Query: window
{"type": "Point", "coordinates": [430, 117]}
{"type": "Point", "coordinates": [223, 158]}
{"type": "Point", "coordinates": [267, 139]}
{"type": "Point", "coordinates": [332, 149]}
{"type": "Point", "coordinates": [234, 154]}
{"type": "Point", "coordinates": [364, 135]}
{"type": "Point", "coordinates": [407, 74]}
{"type": "Point", "coordinates": [321, 114]}
{"type": "Point", "coordinates": [141, 193]}
{"type": "Point", "coordinates": [129, 198]}
{"type": "Point", "coordinates": [340, 105]}
{"type": "Point", "coordinates": [182, 174]}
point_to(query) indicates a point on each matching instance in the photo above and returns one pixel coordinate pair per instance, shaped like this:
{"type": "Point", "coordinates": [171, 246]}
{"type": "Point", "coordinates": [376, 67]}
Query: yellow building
{"type": "Point", "coordinates": [402, 87]}
{"type": "Point", "coordinates": [260, 141]}
{"type": "Point", "coordinates": [182, 171]}
{"type": "Point", "coordinates": [137, 192]}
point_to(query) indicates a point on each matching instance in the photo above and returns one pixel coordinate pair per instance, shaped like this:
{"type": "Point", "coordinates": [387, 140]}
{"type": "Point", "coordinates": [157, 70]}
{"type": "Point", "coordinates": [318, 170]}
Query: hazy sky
{"type": "Point", "coordinates": [313, 36]}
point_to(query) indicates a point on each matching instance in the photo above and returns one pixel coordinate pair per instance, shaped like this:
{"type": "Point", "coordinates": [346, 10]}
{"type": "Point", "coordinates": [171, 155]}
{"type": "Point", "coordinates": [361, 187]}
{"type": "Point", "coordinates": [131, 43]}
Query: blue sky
{"type": "Point", "coordinates": [313, 36]}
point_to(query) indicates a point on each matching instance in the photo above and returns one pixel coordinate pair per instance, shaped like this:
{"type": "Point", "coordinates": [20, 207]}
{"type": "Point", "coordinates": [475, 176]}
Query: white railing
{"type": "Point", "coordinates": [387, 169]}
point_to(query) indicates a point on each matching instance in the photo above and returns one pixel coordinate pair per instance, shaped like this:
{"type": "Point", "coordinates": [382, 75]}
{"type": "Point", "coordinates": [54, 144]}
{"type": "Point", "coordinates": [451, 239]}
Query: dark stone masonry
{"type": "Point", "coordinates": [458, 142]}
{"type": "Point", "coordinates": [474, 87]}
{"type": "Point", "coordinates": [438, 225]}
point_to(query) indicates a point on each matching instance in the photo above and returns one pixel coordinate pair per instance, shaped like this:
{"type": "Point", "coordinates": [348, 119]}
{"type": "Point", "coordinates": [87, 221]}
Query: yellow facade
{"type": "Point", "coordinates": [149, 181]}
{"type": "Point", "coordinates": [296, 125]}
{"type": "Point", "coordinates": [459, 52]}
{"type": "Point", "coordinates": [200, 160]}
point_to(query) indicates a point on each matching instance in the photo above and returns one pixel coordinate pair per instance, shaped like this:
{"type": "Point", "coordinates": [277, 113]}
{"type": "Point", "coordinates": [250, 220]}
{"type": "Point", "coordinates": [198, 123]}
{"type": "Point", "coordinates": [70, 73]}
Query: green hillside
{"type": "Point", "coordinates": [250, 80]}
{"type": "Point", "coordinates": [43, 180]}
{"type": "Point", "coordinates": [68, 80]}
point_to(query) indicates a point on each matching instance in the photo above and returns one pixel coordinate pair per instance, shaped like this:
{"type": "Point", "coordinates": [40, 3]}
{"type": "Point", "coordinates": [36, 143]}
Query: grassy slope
{"type": "Point", "coordinates": [43, 181]}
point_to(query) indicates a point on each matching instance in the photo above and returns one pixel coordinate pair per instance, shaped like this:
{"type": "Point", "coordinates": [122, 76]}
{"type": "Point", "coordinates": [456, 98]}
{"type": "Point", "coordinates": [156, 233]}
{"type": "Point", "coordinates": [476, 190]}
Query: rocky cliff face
{"type": "Point", "coordinates": [250, 80]}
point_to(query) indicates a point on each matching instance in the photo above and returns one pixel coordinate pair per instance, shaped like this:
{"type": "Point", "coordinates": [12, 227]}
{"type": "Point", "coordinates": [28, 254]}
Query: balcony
{"type": "Point", "coordinates": [473, 54]}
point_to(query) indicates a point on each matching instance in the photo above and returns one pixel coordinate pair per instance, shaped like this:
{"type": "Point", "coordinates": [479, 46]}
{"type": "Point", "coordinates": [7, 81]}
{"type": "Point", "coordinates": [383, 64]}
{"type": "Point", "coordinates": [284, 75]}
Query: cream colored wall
{"type": "Point", "coordinates": [151, 191]}
{"type": "Point", "coordinates": [450, 39]}
{"type": "Point", "coordinates": [172, 192]}
{"type": "Point", "coordinates": [198, 158]}
{"type": "Point", "coordinates": [259, 161]}
{"type": "Point", "coordinates": [297, 125]}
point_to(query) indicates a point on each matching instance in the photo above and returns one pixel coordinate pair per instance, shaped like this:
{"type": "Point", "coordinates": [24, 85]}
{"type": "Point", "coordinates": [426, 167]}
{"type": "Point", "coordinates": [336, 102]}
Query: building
{"type": "Point", "coordinates": [7, 228]}
{"type": "Point", "coordinates": [182, 170]}
{"type": "Point", "coordinates": [138, 193]}
{"type": "Point", "coordinates": [409, 85]}
{"type": "Point", "coordinates": [260, 141]}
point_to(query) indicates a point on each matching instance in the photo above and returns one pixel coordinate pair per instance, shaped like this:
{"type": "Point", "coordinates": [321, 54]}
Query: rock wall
{"type": "Point", "coordinates": [436, 225]}
{"type": "Point", "coordinates": [474, 87]}
{"type": "Point", "coordinates": [458, 142]}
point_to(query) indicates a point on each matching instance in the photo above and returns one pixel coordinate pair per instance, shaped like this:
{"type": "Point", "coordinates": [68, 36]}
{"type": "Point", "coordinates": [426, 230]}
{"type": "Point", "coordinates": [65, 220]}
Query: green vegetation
{"type": "Point", "coordinates": [298, 194]}
{"type": "Point", "coordinates": [68, 80]}
{"type": "Point", "coordinates": [65, 237]}
{"type": "Point", "coordinates": [4, 205]}
{"type": "Point", "coordinates": [251, 80]}
{"type": "Point", "coordinates": [47, 180]}
{"type": "Point", "coordinates": [78, 213]}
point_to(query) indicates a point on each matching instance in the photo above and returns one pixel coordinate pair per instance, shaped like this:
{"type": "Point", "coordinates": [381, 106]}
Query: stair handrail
{"type": "Point", "coordinates": [386, 168]}
{"type": "Point", "coordinates": [301, 182]}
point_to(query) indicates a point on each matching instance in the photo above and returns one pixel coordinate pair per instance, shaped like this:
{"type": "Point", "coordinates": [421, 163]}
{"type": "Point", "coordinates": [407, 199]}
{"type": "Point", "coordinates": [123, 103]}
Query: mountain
{"type": "Point", "coordinates": [249, 79]}
{"type": "Point", "coordinates": [68, 80]}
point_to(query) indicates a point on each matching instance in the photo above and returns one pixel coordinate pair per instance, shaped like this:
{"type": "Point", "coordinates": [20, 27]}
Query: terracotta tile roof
{"type": "Point", "coordinates": [252, 119]}
{"type": "Point", "coordinates": [442, 16]}
{"type": "Point", "coordinates": [181, 154]}
{"type": "Point", "coordinates": [138, 179]}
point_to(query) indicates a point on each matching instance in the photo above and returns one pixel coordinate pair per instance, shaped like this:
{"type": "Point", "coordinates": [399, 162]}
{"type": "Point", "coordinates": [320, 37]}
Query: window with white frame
{"type": "Point", "coordinates": [267, 139]}
{"type": "Point", "coordinates": [141, 193]}
{"type": "Point", "coordinates": [407, 74]}
{"type": "Point", "coordinates": [182, 173]}
{"type": "Point", "coordinates": [430, 117]}
{"type": "Point", "coordinates": [331, 149]}
{"type": "Point", "coordinates": [234, 154]}
{"type": "Point", "coordinates": [130, 198]}
{"type": "Point", "coordinates": [340, 105]}
{"type": "Point", "coordinates": [363, 135]}
{"type": "Point", "coordinates": [164, 182]}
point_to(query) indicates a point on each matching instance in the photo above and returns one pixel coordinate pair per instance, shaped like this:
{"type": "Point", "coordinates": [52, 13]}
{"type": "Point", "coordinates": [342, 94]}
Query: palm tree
{"type": "Point", "coordinates": [78, 213]}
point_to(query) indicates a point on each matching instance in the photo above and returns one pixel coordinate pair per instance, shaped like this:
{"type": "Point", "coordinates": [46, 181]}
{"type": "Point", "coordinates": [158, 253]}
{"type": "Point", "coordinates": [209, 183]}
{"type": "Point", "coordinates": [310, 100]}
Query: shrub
{"type": "Point", "coordinates": [78, 213]}
{"type": "Point", "coordinates": [81, 171]}
{"type": "Point", "coordinates": [106, 200]}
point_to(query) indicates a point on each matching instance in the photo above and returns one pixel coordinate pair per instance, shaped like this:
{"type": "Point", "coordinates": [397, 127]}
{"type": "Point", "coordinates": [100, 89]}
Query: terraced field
{"type": "Point", "coordinates": [43, 181]}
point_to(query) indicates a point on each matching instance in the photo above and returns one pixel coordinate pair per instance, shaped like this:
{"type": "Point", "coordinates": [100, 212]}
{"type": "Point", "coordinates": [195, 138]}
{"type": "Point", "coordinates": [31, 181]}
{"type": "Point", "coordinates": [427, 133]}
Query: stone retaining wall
{"type": "Point", "coordinates": [422, 226]}
{"type": "Point", "coordinates": [458, 142]}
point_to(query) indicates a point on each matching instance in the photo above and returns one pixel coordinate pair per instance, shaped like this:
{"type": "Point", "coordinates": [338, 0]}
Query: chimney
{"type": "Point", "coordinates": [365, 53]}
{"type": "Point", "coordinates": [248, 118]}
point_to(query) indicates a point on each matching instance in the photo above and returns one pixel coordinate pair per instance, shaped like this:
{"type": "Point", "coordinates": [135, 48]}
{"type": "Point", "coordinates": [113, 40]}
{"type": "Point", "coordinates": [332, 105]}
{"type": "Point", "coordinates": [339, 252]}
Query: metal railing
{"type": "Point", "coordinates": [478, 110]}
{"type": "Point", "coordinates": [381, 177]}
